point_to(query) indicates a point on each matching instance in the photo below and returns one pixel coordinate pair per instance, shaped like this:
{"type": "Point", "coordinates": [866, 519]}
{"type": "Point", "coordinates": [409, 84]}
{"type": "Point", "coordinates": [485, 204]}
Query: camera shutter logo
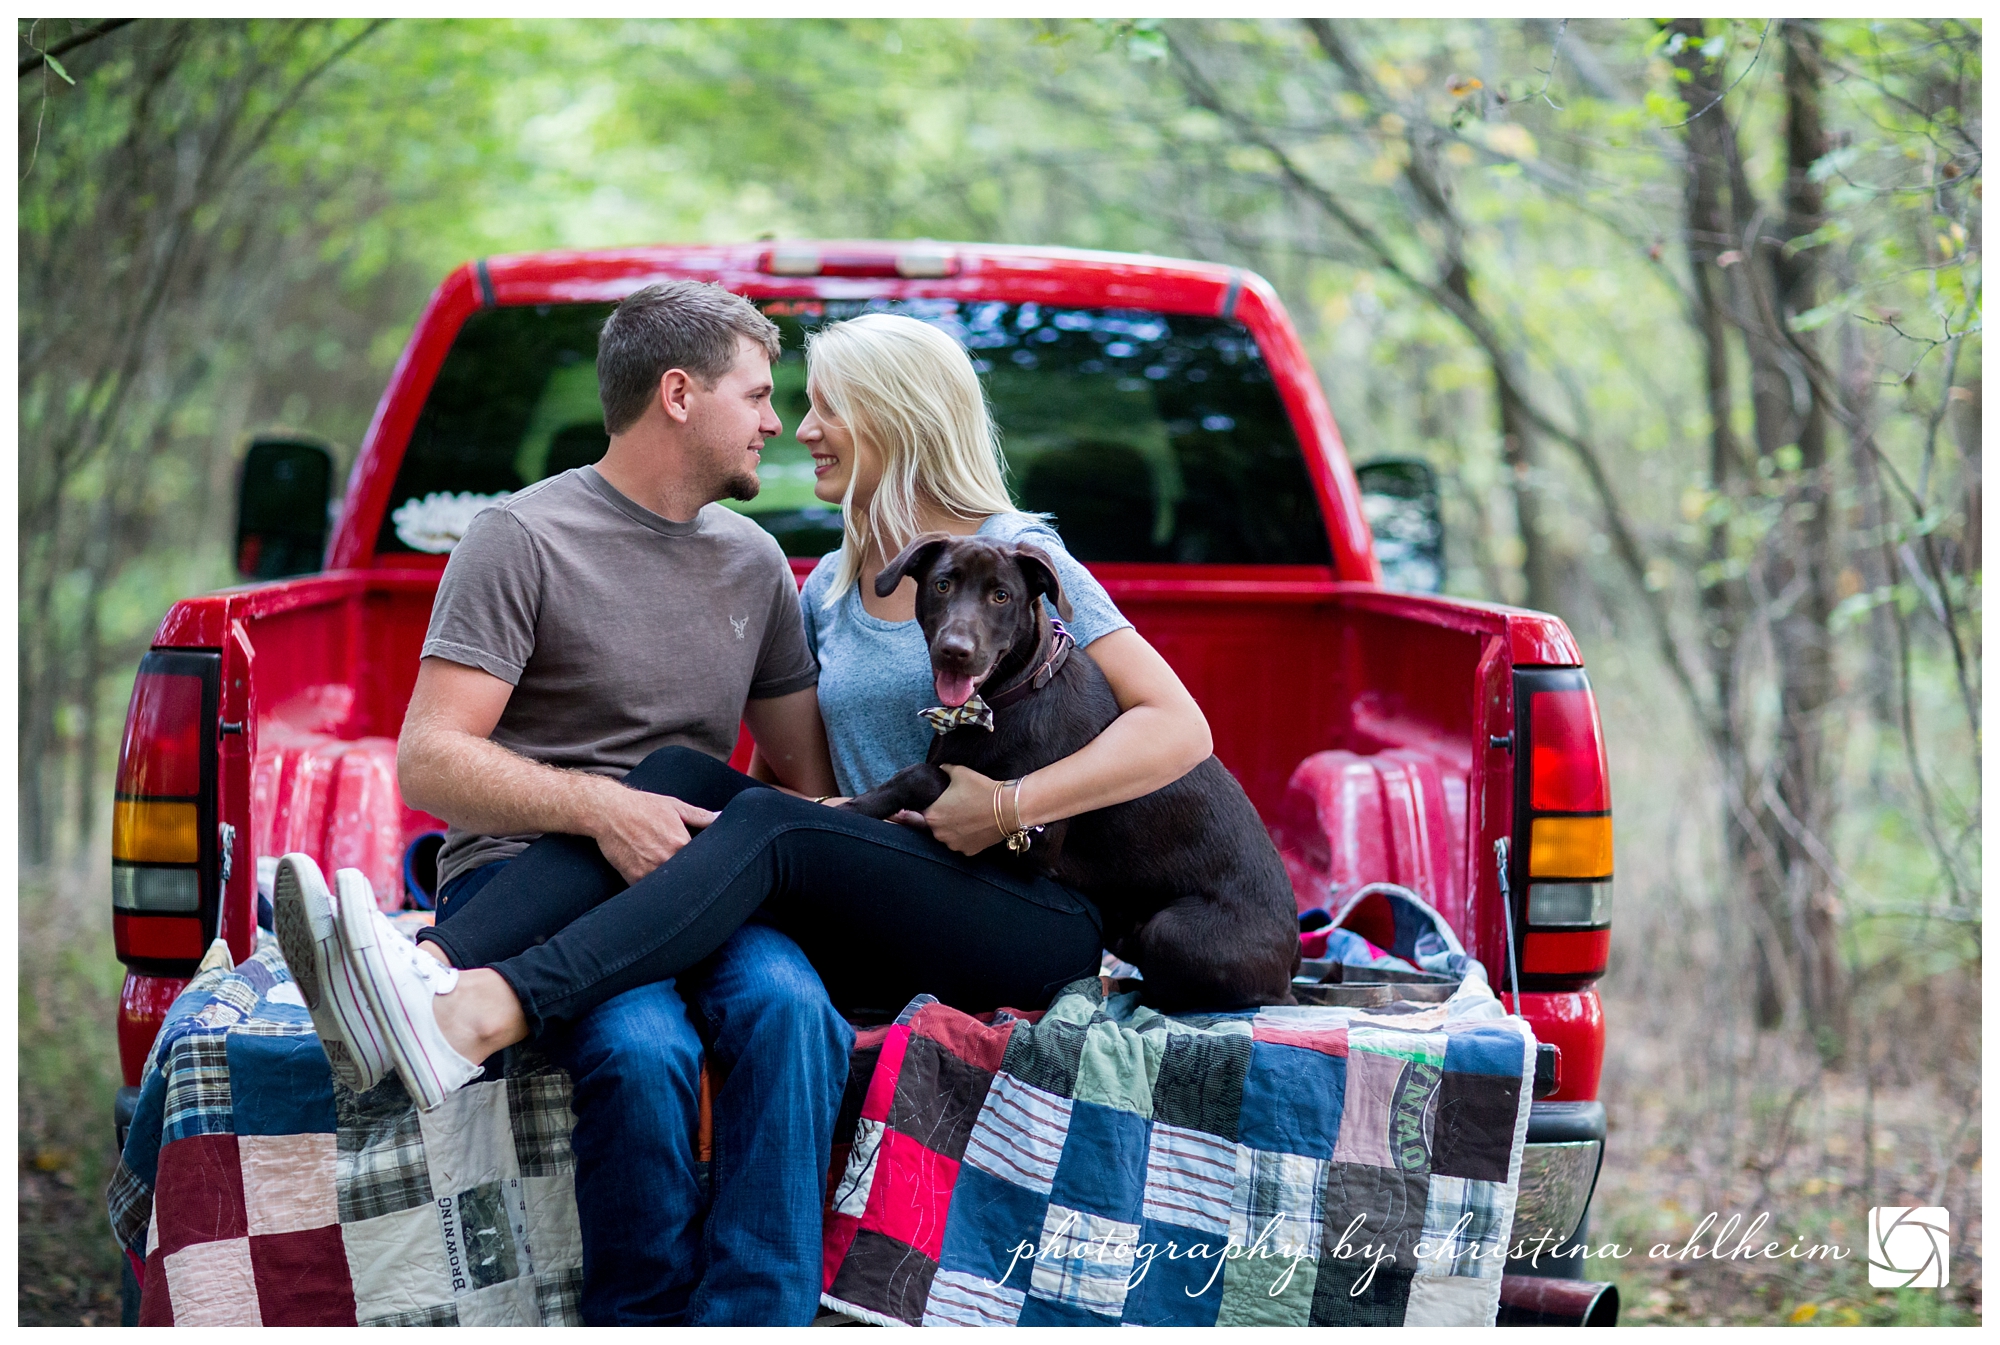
{"type": "Point", "coordinates": [1909, 1248]}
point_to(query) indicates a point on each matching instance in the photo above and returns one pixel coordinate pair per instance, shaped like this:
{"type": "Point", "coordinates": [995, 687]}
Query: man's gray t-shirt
{"type": "Point", "coordinates": [622, 632]}
{"type": "Point", "coordinates": [876, 675]}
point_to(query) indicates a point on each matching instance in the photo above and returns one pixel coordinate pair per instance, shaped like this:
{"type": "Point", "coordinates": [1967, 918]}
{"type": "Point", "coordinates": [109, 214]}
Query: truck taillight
{"type": "Point", "coordinates": [1563, 830]}
{"type": "Point", "coordinates": [164, 854]}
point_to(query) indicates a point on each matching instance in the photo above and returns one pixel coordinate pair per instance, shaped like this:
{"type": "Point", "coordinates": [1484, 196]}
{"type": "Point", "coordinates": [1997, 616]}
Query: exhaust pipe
{"type": "Point", "coordinates": [1537, 1300]}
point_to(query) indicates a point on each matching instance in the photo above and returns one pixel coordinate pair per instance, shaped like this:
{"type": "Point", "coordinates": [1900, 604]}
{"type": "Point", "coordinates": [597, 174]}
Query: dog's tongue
{"type": "Point", "coordinates": [953, 689]}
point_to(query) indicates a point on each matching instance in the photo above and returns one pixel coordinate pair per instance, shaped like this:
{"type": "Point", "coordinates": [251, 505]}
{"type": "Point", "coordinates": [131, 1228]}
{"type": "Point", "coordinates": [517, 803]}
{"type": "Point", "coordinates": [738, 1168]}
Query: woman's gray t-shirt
{"type": "Point", "coordinates": [875, 675]}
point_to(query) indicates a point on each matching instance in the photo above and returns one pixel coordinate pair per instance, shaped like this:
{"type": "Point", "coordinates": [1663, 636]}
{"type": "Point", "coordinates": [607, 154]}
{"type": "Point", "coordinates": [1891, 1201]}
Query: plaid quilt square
{"type": "Point", "coordinates": [538, 1098]}
{"type": "Point", "coordinates": [1085, 1261]}
{"type": "Point", "coordinates": [380, 1168]}
{"type": "Point", "coordinates": [1466, 1226]}
{"type": "Point", "coordinates": [1278, 1201]}
{"type": "Point", "coordinates": [198, 1101]}
{"type": "Point", "coordinates": [559, 1294]}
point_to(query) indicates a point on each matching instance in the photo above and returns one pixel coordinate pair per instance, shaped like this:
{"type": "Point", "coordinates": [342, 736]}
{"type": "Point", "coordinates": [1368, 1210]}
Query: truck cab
{"type": "Point", "coordinates": [1164, 412]}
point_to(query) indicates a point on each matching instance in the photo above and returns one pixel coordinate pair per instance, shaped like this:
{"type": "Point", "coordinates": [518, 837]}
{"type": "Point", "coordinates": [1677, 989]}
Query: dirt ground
{"type": "Point", "coordinates": [68, 1072]}
{"type": "Point", "coordinates": [1770, 1131]}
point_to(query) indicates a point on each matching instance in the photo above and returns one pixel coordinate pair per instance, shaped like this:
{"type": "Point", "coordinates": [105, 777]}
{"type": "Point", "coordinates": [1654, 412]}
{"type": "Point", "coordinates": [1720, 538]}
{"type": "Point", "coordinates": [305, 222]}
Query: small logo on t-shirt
{"type": "Point", "coordinates": [739, 622]}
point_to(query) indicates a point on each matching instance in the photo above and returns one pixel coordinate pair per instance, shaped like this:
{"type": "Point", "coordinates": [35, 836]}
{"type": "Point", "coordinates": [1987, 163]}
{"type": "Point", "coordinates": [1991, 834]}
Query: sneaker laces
{"type": "Point", "coordinates": [440, 978]}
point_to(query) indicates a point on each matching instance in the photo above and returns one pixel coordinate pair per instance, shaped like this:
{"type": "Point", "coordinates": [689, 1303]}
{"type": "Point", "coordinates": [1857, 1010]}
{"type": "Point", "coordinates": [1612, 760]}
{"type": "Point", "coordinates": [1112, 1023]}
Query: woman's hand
{"type": "Point", "coordinates": [962, 816]}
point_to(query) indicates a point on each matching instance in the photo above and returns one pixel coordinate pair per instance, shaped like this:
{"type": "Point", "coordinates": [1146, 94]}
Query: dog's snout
{"type": "Point", "coordinates": [956, 645]}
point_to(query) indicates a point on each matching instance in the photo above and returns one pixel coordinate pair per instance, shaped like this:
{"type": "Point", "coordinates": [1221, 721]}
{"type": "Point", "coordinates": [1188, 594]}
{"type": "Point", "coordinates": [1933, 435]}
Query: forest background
{"type": "Point", "coordinates": [1685, 313]}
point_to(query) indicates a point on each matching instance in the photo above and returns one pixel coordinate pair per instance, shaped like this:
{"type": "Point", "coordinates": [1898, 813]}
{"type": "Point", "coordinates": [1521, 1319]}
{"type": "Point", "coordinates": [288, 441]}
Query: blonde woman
{"type": "Point", "coordinates": [901, 439]}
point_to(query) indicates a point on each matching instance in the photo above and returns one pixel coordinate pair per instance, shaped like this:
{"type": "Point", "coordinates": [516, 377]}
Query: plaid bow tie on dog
{"type": "Point", "coordinates": [975, 713]}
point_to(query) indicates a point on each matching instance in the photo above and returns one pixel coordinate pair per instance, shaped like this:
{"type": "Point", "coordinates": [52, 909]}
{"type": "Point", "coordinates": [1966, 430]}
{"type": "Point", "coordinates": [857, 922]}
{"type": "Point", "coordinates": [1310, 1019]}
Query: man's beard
{"type": "Point", "coordinates": [730, 481]}
{"type": "Point", "coordinates": [741, 486]}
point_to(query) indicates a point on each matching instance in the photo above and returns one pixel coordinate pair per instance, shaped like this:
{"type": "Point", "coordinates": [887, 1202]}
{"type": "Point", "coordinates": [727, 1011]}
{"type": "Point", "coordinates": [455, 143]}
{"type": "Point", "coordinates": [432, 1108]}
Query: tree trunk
{"type": "Point", "coordinates": [1711, 236]}
{"type": "Point", "coordinates": [1800, 574]}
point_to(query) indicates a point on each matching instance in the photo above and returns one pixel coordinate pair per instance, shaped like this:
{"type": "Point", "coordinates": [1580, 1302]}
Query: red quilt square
{"type": "Point", "coordinates": [976, 1043]}
{"type": "Point", "coordinates": [198, 1196]}
{"type": "Point", "coordinates": [156, 1305]}
{"type": "Point", "coordinates": [882, 1087]}
{"type": "Point", "coordinates": [1327, 1041]}
{"type": "Point", "coordinates": [910, 1194]}
{"type": "Point", "coordinates": [302, 1278]}
{"type": "Point", "coordinates": [836, 1236]}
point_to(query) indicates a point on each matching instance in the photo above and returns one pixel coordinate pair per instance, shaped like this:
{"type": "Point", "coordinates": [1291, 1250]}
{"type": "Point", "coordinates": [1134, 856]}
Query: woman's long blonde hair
{"type": "Point", "coordinates": [909, 392]}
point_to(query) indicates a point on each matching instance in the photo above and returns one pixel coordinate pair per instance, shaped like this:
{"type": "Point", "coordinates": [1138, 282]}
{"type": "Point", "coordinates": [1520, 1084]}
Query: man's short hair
{"type": "Point", "coordinates": [676, 324]}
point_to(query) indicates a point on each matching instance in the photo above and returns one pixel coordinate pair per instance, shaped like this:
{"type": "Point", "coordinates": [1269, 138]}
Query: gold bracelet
{"type": "Point", "coordinates": [998, 824]}
{"type": "Point", "coordinates": [1018, 825]}
{"type": "Point", "coordinates": [824, 797]}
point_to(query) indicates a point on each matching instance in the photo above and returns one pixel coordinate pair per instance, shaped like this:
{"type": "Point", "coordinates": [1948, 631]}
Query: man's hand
{"type": "Point", "coordinates": [638, 831]}
{"type": "Point", "coordinates": [962, 816]}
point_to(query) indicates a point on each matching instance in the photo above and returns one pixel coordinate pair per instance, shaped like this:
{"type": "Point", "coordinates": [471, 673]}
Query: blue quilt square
{"type": "Point", "coordinates": [280, 1085]}
{"type": "Point", "coordinates": [988, 1224]}
{"type": "Point", "coordinates": [142, 1141]}
{"type": "Point", "coordinates": [1484, 1048]}
{"type": "Point", "coordinates": [1182, 1284]}
{"type": "Point", "coordinates": [1046, 1312]}
{"type": "Point", "coordinates": [1291, 1100]}
{"type": "Point", "coordinates": [1103, 1164]}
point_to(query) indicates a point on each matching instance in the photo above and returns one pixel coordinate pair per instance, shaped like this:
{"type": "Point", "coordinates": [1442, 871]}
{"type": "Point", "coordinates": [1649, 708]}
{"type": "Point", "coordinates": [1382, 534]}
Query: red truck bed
{"type": "Point", "coordinates": [1383, 736]}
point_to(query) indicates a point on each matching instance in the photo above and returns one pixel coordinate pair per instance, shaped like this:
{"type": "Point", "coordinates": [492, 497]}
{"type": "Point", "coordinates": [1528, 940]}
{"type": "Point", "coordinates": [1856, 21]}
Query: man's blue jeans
{"type": "Point", "coordinates": [648, 1256]}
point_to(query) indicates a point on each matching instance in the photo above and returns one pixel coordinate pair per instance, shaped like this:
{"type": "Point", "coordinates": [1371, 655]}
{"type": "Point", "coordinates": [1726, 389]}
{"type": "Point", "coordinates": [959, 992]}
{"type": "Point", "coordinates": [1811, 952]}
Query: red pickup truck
{"type": "Point", "coordinates": [1163, 411]}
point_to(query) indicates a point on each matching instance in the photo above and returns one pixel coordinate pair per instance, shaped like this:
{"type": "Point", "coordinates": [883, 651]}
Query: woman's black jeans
{"type": "Point", "coordinates": [883, 911]}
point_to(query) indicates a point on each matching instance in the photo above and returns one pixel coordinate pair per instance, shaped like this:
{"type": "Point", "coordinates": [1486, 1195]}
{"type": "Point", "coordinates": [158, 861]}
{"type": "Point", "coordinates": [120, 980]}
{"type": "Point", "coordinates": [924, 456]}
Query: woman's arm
{"type": "Point", "coordinates": [1160, 736]}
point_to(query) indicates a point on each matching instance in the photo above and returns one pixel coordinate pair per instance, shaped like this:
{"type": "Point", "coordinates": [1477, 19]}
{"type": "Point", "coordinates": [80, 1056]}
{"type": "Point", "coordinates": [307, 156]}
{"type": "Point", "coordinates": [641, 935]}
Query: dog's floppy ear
{"type": "Point", "coordinates": [1040, 573]}
{"type": "Point", "coordinates": [916, 558]}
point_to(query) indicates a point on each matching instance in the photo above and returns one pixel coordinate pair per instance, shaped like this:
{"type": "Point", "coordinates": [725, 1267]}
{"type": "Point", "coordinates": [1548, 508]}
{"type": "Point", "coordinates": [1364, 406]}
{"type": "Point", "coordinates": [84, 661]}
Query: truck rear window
{"type": "Point", "coordinates": [1148, 436]}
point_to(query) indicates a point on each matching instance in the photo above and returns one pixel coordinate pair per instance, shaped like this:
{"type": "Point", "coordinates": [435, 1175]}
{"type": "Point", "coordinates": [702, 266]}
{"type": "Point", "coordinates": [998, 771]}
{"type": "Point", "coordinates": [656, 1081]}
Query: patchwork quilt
{"type": "Point", "coordinates": [256, 1193]}
{"type": "Point", "coordinates": [1104, 1165]}
{"type": "Point", "coordinates": [1096, 1164]}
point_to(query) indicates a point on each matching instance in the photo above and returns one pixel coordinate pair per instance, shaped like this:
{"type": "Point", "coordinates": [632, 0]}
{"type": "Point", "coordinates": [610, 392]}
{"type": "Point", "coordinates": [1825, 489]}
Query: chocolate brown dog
{"type": "Point", "coordinates": [1190, 886]}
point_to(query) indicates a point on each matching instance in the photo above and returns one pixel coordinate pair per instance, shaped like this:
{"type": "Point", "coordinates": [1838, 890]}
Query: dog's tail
{"type": "Point", "coordinates": [1199, 955]}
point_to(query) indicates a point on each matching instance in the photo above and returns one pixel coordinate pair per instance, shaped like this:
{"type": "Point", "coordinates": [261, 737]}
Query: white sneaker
{"type": "Point", "coordinates": [399, 982]}
{"type": "Point", "coordinates": [302, 910]}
